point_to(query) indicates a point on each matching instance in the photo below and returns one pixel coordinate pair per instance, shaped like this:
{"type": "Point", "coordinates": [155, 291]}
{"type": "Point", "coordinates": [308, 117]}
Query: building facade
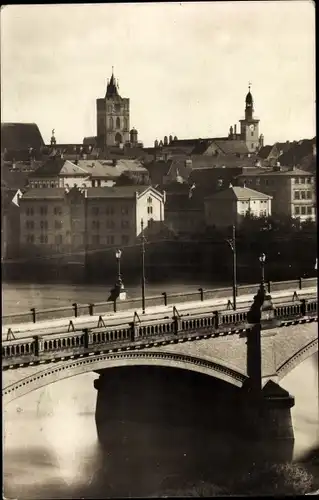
{"type": "Point", "coordinates": [292, 189]}
{"type": "Point", "coordinates": [231, 205]}
{"type": "Point", "coordinates": [60, 221]}
{"type": "Point", "coordinates": [113, 117]}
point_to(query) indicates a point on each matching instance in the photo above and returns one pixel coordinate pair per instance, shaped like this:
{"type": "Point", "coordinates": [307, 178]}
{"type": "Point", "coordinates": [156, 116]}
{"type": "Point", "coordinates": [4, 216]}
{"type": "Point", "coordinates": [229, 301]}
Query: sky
{"type": "Point", "coordinates": [184, 66]}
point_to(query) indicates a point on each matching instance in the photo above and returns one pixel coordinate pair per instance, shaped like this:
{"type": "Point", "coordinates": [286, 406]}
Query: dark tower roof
{"type": "Point", "coordinates": [112, 89]}
{"type": "Point", "coordinates": [249, 98]}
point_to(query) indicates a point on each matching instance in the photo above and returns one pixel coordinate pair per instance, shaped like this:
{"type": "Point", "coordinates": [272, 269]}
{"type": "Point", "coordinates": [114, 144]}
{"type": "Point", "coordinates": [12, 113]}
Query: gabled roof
{"type": "Point", "coordinates": [232, 146]}
{"type": "Point", "coordinates": [118, 191]}
{"type": "Point", "coordinates": [57, 166]}
{"type": "Point", "coordinates": [239, 193]}
{"type": "Point", "coordinates": [44, 193]}
{"type": "Point", "coordinates": [288, 172]}
{"type": "Point", "coordinates": [106, 169]}
{"type": "Point", "coordinates": [264, 152]}
{"type": "Point", "coordinates": [20, 136]}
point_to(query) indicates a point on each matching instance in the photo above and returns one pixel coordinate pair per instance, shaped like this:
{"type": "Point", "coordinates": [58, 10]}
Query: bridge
{"type": "Point", "coordinates": [252, 348]}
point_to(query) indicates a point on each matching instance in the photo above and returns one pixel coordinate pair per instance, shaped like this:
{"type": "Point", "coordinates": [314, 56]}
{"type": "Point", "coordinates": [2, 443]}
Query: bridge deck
{"type": "Point", "coordinates": [153, 312]}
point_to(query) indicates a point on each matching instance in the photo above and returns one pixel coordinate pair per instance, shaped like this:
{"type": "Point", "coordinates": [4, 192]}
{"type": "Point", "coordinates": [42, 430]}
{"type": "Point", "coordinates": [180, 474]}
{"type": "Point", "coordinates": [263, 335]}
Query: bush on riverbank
{"type": "Point", "coordinates": [272, 479]}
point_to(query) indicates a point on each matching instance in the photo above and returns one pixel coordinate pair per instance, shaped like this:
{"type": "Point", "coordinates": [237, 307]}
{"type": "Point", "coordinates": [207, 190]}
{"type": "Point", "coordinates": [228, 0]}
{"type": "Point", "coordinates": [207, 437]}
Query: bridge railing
{"type": "Point", "coordinates": [79, 341]}
{"type": "Point", "coordinates": [91, 309]}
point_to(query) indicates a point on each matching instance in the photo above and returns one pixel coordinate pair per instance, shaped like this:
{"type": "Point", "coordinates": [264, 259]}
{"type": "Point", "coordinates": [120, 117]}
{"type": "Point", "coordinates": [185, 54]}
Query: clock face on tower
{"type": "Point", "coordinates": [252, 127]}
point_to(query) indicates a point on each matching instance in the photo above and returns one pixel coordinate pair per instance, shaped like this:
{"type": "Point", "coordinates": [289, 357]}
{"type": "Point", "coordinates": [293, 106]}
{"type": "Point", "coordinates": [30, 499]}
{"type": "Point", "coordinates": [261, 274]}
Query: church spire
{"type": "Point", "coordinates": [112, 87]}
{"type": "Point", "coordinates": [249, 109]}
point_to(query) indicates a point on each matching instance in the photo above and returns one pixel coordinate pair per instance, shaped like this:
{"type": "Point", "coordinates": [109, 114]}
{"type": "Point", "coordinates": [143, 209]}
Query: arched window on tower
{"type": "Point", "coordinates": [118, 123]}
{"type": "Point", "coordinates": [111, 123]}
{"type": "Point", "coordinates": [126, 124]}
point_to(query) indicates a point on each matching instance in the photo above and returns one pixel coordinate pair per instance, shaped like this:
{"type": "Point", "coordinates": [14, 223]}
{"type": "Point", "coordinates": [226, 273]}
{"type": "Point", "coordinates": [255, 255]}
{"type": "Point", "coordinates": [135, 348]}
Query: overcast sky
{"type": "Point", "coordinates": [184, 66]}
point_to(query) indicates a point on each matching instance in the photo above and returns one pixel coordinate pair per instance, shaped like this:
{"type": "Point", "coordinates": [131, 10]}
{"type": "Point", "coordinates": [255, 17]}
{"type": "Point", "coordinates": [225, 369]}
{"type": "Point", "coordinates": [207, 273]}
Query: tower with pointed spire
{"type": "Point", "coordinates": [249, 126]}
{"type": "Point", "coordinates": [113, 116]}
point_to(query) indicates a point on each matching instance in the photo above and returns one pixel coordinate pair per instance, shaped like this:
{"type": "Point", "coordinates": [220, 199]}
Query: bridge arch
{"type": "Point", "coordinates": [72, 367]}
{"type": "Point", "coordinates": [297, 358]}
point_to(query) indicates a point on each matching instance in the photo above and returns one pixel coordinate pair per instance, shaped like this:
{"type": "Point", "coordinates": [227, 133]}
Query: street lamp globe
{"type": "Point", "coordinates": [262, 258]}
{"type": "Point", "coordinates": [118, 254]}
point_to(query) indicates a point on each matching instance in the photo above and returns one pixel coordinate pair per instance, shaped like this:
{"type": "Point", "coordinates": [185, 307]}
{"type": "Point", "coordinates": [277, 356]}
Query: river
{"type": "Point", "coordinates": [50, 441]}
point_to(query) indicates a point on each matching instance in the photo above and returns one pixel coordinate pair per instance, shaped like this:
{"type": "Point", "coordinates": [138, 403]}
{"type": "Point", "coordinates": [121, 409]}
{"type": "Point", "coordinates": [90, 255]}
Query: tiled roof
{"type": "Point", "coordinates": [106, 169]}
{"type": "Point", "coordinates": [270, 172]}
{"type": "Point", "coordinates": [232, 146]}
{"type": "Point", "coordinates": [44, 193]}
{"type": "Point", "coordinates": [264, 152]}
{"type": "Point", "coordinates": [116, 191]}
{"type": "Point", "coordinates": [239, 193]}
{"type": "Point", "coordinates": [18, 136]}
{"type": "Point", "coordinates": [14, 179]}
{"type": "Point", "coordinates": [50, 168]}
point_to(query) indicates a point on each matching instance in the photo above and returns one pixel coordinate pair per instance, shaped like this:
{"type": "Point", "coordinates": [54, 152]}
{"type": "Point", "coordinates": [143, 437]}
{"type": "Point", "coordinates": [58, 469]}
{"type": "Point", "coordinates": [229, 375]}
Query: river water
{"type": "Point", "coordinates": [50, 440]}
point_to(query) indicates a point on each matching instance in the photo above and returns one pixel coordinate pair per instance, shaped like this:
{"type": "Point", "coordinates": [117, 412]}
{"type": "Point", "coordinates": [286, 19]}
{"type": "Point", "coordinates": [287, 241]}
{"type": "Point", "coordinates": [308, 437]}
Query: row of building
{"type": "Point", "coordinates": [68, 197]}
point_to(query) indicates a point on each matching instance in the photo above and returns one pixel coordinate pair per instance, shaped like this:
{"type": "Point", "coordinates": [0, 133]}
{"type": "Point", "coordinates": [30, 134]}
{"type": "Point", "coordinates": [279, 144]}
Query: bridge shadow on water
{"type": "Point", "coordinates": [158, 427]}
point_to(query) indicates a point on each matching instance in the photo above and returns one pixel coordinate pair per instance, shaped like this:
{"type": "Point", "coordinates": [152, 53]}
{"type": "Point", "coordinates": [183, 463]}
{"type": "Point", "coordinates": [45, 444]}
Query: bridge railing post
{"type": "Point", "coordinates": [165, 298]}
{"type": "Point", "coordinates": [201, 291]}
{"type": "Point", "coordinates": [91, 309]}
{"type": "Point", "coordinates": [216, 319]}
{"type": "Point", "coordinates": [134, 331]}
{"type": "Point", "coordinates": [177, 324]}
{"type": "Point", "coordinates": [75, 307]}
{"type": "Point", "coordinates": [38, 345]}
{"type": "Point", "coordinates": [86, 333]}
{"type": "Point", "coordinates": [300, 283]}
{"type": "Point", "coordinates": [269, 286]}
{"type": "Point", "coordinates": [303, 308]}
{"type": "Point", "coordinates": [33, 314]}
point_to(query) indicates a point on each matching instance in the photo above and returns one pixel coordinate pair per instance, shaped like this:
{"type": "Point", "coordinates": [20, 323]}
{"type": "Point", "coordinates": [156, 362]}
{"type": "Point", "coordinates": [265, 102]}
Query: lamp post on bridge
{"type": "Point", "coordinates": [143, 266]}
{"type": "Point", "coordinates": [262, 260]}
{"type": "Point", "coordinates": [118, 255]}
{"type": "Point", "coordinates": [232, 244]}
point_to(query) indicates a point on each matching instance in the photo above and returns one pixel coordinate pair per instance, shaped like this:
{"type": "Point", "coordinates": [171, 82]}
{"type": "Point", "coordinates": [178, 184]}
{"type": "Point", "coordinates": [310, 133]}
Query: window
{"type": "Point", "coordinates": [44, 238]}
{"type": "Point", "coordinates": [125, 224]}
{"type": "Point", "coordinates": [310, 180]}
{"type": "Point", "coordinates": [43, 210]}
{"type": "Point", "coordinates": [95, 210]}
{"type": "Point", "coordinates": [110, 240]}
{"type": "Point", "coordinates": [302, 180]}
{"type": "Point", "coordinates": [149, 210]}
{"type": "Point", "coordinates": [44, 224]}
{"type": "Point", "coordinates": [308, 195]}
{"type": "Point", "coordinates": [149, 200]}
{"type": "Point", "coordinates": [111, 123]}
{"type": "Point", "coordinates": [96, 224]}
{"type": "Point", "coordinates": [266, 182]}
{"type": "Point", "coordinates": [125, 239]}
{"type": "Point", "coordinates": [98, 183]}
{"type": "Point", "coordinates": [109, 210]}
{"type": "Point", "coordinates": [29, 211]}
{"type": "Point", "coordinates": [58, 224]}
{"type": "Point", "coordinates": [257, 181]}
{"type": "Point", "coordinates": [303, 195]}
{"type": "Point", "coordinates": [110, 224]}
{"type": "Point", "coordinates": [58, 239]}
{"type": "Point", "coordinates": [124, 211]}
{"type": "Point", "coordinates": [52, 184]}
{"type": "Point", "coordinates": [30, 224]}
{"type": "Point", "coordinates": [297, 180]}
{"type": "Point", "coordinates": [57, 211]}
{"type": "Point", "coordinates": [309, 210]}
{"type": "Point", "coordinates": [118, 123]}
{"type": "Point", "coordinates": [96, 239]}
{"type": "Point", "coordinates": [297, 195]}
{"type": "Point", "coordinates": [297, 210]}
{"type": "Point", "coordinates": [303, 210]}
{"type": "Point", "coordinates": [30, 238]}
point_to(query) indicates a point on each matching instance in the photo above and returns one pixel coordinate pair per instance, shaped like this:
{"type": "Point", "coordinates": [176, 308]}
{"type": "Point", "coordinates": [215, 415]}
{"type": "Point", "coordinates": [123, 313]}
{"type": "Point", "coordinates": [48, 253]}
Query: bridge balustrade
{"type": "Point", "coordinates": [159, 328]}
{"type": "Point", "coordinates": [312, 307]}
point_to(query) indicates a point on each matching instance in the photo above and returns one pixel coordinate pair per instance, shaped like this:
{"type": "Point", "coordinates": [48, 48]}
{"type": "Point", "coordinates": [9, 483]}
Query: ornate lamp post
{"type": "Point", "coordinates": [118, 255]}
{"type": "Point", "coordinates": [143, 266]}
{"type": "Point", "coordinates": [262, 260]}
{"type": "Point", "coordinates": [232, 244]}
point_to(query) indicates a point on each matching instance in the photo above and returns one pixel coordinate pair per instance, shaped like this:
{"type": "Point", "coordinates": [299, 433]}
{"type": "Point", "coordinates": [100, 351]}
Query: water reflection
{"type": "Point", "coordinates": [51, 448]}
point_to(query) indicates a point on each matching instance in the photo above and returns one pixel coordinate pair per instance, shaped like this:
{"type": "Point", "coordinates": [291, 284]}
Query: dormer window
{"type": "Point", "coordinates": [149, 199]}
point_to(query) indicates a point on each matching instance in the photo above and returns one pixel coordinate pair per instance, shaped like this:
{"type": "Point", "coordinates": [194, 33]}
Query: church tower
{"type": "Point", "coordinates": [249, 126]}
{"type": "Point", "coordinates": [113, 117]}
